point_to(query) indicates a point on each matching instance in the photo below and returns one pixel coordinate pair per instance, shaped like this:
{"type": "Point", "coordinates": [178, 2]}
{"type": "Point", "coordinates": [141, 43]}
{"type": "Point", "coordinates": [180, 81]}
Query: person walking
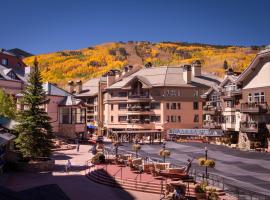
{"type": "Point", "coordinates": [78, 147]}
{"type": "Point", "coordinates": [68, 166]}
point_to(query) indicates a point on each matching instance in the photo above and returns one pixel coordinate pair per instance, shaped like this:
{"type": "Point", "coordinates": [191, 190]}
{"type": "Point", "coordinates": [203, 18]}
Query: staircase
{"type": "Point", "coordinates": [102, 177]}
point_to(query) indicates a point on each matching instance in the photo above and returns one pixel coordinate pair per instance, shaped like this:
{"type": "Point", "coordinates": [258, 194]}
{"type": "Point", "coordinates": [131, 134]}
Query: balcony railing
{"type": "Point", "coordinates": [231, 93]}
{"type": "Point", "coordinates": [251, 127]}
{"type": "Point", "coordinates": [211, 125]}
{"type": "Point", "coordinates": [139, 108]}
{"type": "Point", "coordinates": [211, 110]}
{"type": "Point", "coordinates": [138, 121]}
{"type": "Point", "coordinates": [254, 107]}
{"type": "Point", "coordinates": [138, 96]}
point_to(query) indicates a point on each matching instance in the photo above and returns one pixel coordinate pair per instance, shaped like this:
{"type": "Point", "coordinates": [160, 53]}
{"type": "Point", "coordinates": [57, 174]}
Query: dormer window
{"type": "Point", "coordinates": [4, 61]}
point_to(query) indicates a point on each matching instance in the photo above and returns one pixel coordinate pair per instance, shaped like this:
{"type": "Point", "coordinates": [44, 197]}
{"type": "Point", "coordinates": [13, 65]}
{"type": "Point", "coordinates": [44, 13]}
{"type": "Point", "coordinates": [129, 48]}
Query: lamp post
{"type": "Point", "coordinates": [205, 150]}
{"type": "Point", "coordinates": [164, 147]}
{"type": "Point", "coordinates": [116, 149]}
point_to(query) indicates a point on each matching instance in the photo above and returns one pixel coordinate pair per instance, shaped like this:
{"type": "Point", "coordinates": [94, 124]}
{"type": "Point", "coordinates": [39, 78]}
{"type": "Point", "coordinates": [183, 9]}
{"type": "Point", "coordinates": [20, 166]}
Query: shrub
{"type": "Point", "coordinates": [164, 153]}
{"type": "Point", "coordinates": [210, 163]}
{"type": "Point", "coordinates": [136, 147]}
{"type": "Point", "coordinates": [201, 188]}
{"type": "Point", "coordinates": [212, 194]}
{"type": "Point", "coordinates": [98, 158]}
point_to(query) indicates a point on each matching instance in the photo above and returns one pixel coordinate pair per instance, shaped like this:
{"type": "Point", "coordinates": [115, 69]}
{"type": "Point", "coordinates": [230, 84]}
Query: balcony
{"type": "Point", "coordinates": [231, 93]}
{"type": "Point", "coordinates": [250, 127]}
{"type": "Point", "coordinates": [211, 110]}
{"type": "Point", "coordinates": [139, 121]}
{"type": "Point", "coordinates": [211, 125]}
{"type": "Point", "coordinates": [139, 108]}
{"type": "Point", "coordinates": [141, 95]}
{"type": "Point", "coordinates": [254, 108]}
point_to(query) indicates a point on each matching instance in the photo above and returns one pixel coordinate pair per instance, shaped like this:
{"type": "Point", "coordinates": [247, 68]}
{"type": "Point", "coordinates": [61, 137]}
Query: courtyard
{"type": "Point", "coordinates": [74, 184]}
{"type": "Point", "coordinates": [249, 170]}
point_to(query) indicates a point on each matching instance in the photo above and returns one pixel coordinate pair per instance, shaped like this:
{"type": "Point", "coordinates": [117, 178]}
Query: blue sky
{"type": "Point", "coordinates": [41, 26]}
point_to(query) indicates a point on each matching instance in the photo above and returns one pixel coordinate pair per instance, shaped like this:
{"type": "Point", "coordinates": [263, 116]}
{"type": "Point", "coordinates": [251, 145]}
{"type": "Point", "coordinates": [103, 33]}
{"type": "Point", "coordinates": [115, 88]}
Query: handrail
{"type": "Point", "coordinates": [119, 170]}
{"type": "Point", "coordinates": [136, 178]}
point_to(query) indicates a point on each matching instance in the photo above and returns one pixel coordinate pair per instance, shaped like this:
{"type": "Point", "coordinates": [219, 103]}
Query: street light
{"type": "Point", "coordinates": [164, 147]}
{"type": "Point", "coordinates": [205, 150]}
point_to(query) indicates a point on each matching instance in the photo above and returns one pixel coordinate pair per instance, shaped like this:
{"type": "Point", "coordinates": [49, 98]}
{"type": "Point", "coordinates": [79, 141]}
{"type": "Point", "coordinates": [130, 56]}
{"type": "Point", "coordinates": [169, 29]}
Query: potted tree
{"type": "Point", "coordinates": [164, 153]}
{"type": "Point", "coordinates": [136, 147]}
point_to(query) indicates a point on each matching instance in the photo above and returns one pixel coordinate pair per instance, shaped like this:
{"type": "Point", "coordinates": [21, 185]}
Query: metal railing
{"type": "Point", "coordinates": [229, 186]}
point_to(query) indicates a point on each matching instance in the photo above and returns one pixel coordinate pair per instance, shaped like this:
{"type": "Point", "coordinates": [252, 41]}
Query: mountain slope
{"type": "Point", "coordinates": [59, 67]}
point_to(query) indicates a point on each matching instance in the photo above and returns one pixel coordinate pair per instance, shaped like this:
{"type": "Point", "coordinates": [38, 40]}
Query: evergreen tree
{"type": "Point", "coordinates": [34, 128]}
{"type": "Point", "coordinates": [7, 105]}
{"type": "Point", "coordinates": [225, 65]}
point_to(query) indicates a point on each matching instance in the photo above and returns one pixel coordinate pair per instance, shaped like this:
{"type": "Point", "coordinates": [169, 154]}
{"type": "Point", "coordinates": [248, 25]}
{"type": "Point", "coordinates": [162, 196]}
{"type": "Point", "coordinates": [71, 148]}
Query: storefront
{"type": "Point", "coordinates": [195, 134]}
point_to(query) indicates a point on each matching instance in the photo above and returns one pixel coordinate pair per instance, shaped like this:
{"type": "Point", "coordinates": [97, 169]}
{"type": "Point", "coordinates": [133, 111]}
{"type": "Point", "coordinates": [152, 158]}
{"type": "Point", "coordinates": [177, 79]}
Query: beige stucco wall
{"type": "Point", "coordinates": [261, 77]}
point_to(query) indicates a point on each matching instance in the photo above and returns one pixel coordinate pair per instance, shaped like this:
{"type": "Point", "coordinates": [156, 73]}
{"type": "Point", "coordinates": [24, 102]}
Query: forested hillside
{"type": "Point", "coordinates": [59, 67]}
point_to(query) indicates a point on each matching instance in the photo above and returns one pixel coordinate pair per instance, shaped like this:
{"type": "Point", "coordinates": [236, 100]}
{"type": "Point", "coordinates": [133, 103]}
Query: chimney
{"type": "Point", "coordinates": [70, 86]}
{"type": "Point", "coordinates": [110, 78]}
{"type": "Point", "coordinates": [196, 68]}
{"type": "Point", "coordinates": [78, 86]}
{"type": "Point", "coordinates": [28, 70]}
{"type": "Point", "coordinates": [229, 72]}
{"type": "Point", "coordinates": [187, 73]}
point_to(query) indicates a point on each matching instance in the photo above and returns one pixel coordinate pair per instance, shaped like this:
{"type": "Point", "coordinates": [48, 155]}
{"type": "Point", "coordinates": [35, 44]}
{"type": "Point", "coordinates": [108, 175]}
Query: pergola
{"type": "Point", "coordinates": [129, 135]}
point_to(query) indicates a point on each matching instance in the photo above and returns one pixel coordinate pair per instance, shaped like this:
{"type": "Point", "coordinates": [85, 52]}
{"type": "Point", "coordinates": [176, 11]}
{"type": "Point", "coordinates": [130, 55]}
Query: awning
{"type": "Point", "coordinates": [6, 137]}
{"type": "Point", "coordinates": [197, 132]}
{"type": "Point", "coordinates": [91, 127]}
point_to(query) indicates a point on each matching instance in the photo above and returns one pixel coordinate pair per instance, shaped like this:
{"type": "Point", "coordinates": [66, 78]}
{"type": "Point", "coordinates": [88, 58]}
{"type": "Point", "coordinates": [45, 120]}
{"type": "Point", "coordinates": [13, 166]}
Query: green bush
{"type": "Point", "coordinates": [98, 158]}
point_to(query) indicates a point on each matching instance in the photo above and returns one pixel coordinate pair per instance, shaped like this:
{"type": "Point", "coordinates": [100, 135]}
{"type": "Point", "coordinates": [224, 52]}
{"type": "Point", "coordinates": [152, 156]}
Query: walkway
{"type": "Point", "coordinates": [74, 184]}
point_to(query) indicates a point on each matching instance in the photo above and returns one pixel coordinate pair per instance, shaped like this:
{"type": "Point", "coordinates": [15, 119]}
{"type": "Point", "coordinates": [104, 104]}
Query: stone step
{"type": "Point", "coordinates": [130, 183]}
{"type": "Point", "coordinates": [128, 187]}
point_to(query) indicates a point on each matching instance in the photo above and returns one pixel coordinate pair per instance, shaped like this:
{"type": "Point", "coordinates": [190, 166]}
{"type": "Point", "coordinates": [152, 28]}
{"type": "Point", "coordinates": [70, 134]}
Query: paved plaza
{"type": "Point", "coordinates": [249, 170]}
{"type": "Point", "coordinates": [74, 184]}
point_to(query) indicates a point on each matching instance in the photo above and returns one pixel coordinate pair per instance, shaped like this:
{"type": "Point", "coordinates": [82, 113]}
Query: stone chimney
{"type": "Point", "coordinates": [78, 86]}
{"type": "Point", "coordinates": [70, 87]}
{"type": "Point", "coordinates": [196, 68]}
{"type": "Point", "coordinates": [110, 78]}
{"type": "Point", "coordinates": [187, 73]}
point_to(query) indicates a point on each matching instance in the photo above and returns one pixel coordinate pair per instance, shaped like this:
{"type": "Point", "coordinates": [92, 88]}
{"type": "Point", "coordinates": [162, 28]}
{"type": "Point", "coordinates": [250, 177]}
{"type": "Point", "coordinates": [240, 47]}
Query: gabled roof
{"type": "Point", "coordinates": [5, 72]}
{"type": "Point", "coordinates": [143, 80]}
{"type": "Point", "coordinates": [90, 88]}
{"type": "Point", "coordinates": [263, 54]}
{"type": "Point", "coordinates": [167, 76]}
{"type": "Point", "coordinates": [231, 78]}
{"type": "Point", "coordinates": [210, 90]}
{"type": "Point", "coordinates": [52, 89]}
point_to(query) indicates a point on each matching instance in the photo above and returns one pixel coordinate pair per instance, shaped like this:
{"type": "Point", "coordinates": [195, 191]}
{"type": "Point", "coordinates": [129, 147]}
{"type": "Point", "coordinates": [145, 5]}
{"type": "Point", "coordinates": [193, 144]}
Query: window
{"type": "Point", "coordinates": [122, 106]}
{"type": "Point", "coordinates": [196, 94]}
{"type": "Point", "coordinates": [155, 105]}
{"type": "Point", "coordinates": [4, 61]}
{"type": "Point", "coordinates": [249, 97]}
{"type": "Point", "coordinates": [179, 118]}
{"type": "Point", "coordinates": [173, 106]}
{"type": "Point", "coordinates": [178, 106]}
{"type": "Point", "coordinates": [111, 118]}
{"type": "Point", "coordinates": [195, 105]}
{"type": "Point", "coordinates": [196, 118]}
{"type": "Point", "coordinates": [262, 97]}
{"type": "Point", "coordinates": [72, 115]}
{"type": "Point", "coordinates": [78, 115]}
{"type": "Point", "coordinates": [122, 118]}
{"type": "Point", "coordinates": [111, 106]}
{"type": "Point", "coordinates": [122, 94]}
{"type": "Point", "coordinates": [168, 105]}
{"type": "Point", "coordinates": [168, 118]}
{"type": "Point", "coordinates": [257, 97]}
{"type": "Point", "coordinates": [155, 118]}
{"type": "Point", "coordinates": [178, 93]}
{"type": "Point", "coordinates": [65, 116]}
{"type": "Point", "coordinates": [173, 118]}
{"type": "Point", "coordinates": [230, 104]}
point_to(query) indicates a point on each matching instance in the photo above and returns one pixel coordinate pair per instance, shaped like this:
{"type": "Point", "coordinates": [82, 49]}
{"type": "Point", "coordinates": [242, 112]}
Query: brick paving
{"type": "Point", "coordinates": [74, 184]}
